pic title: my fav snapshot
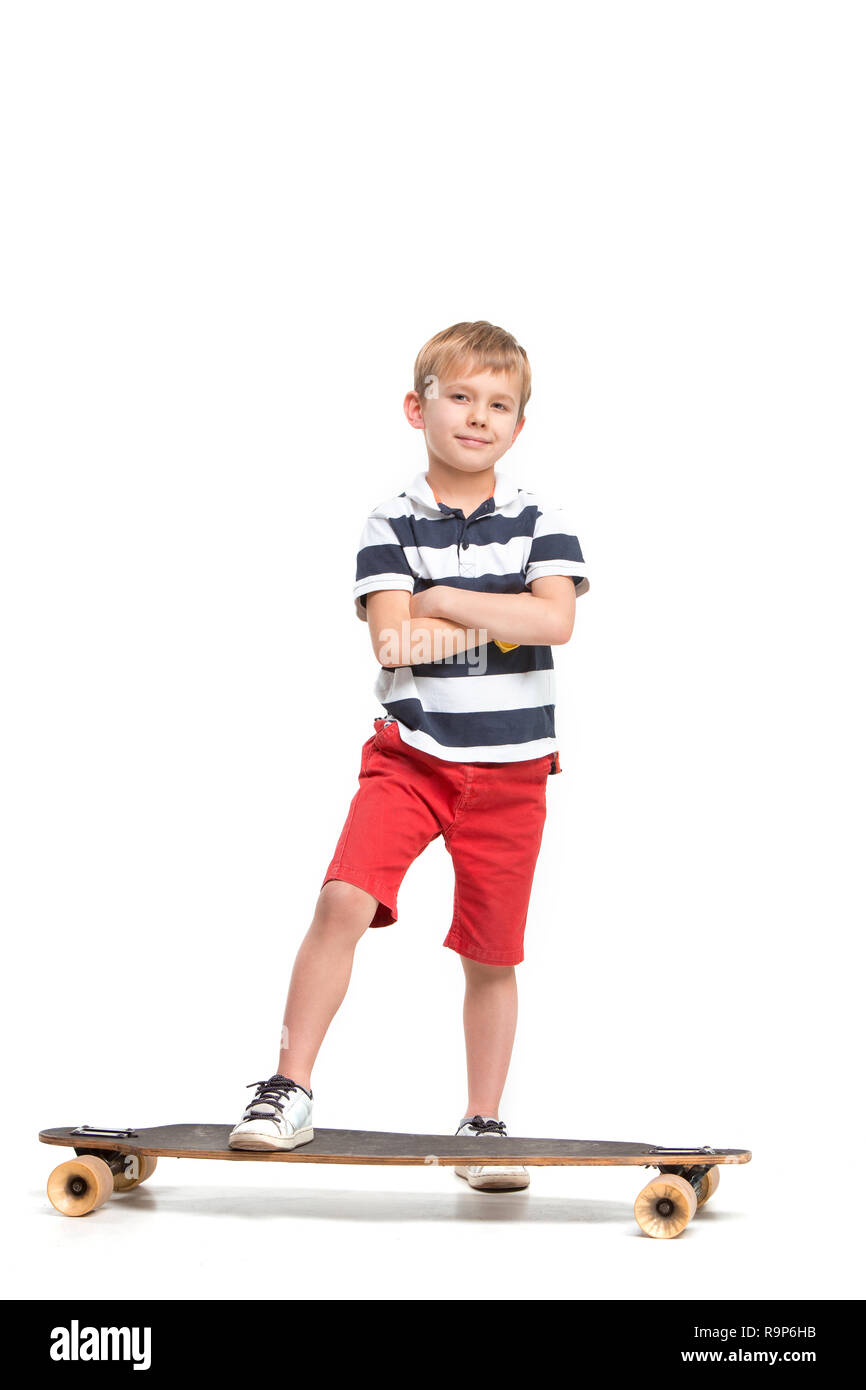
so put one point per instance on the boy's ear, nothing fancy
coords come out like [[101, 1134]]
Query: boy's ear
[[518, 428], [412, 410]]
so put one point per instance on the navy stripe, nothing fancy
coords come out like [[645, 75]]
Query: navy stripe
[[477, 730], [497, 663], [555, 547], [484, 530], [381, 559], [481, 583]]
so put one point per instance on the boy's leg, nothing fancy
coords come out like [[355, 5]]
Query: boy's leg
[[494, 844], [280, 1116], [489, 1024], [321, 974], [489, 1021]]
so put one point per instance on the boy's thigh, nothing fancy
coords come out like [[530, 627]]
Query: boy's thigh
[[398, 809], [494, 848]]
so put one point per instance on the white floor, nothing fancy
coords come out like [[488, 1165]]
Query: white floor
[[214, 1230]]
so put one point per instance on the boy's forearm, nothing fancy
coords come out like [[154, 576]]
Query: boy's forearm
[[421, 640], [522, 618]]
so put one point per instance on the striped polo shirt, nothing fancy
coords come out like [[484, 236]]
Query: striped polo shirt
[[486, 704]]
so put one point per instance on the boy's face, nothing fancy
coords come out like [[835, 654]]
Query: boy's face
[[471, 421]]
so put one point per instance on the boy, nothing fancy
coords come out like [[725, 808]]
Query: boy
[[466, 582]]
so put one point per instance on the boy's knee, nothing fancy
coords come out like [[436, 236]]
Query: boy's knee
[[345, 905], [481, 971]]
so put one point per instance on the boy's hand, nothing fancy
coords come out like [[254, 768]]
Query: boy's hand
[[425, 604]]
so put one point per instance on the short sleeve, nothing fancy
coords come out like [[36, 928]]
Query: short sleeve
[[381, 563], [556, 550]]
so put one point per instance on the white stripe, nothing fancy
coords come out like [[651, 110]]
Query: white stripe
[[384, 581], [539, 568], [494, 558], [474, 694], [377, 530]]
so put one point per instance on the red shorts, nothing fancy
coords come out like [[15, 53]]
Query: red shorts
[[490, 815]]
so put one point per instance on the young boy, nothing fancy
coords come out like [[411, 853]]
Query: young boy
[[466, 582]]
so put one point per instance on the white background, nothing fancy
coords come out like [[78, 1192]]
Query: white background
[[228, 230]]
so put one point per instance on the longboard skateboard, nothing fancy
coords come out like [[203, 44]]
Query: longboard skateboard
[[113, 1160]]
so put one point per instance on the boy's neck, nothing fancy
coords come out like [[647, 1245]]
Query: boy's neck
[[459, 490]]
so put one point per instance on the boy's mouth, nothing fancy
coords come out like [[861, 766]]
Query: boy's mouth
[[472, 441]]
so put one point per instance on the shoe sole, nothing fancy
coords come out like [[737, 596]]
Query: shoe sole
[[492, 1184], [264, 1142]]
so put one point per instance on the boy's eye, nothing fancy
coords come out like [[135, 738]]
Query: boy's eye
[[459, 396]]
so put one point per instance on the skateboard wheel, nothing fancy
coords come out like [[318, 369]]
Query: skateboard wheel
[[81, 1185], [137, 1168], [708, 1184], [665, 1206]]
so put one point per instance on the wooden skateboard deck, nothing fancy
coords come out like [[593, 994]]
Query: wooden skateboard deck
[[117, 1160]]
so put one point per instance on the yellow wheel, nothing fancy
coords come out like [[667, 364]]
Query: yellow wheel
[[709, 1183], [80, 1185], [665, 1206], [137, 1168]]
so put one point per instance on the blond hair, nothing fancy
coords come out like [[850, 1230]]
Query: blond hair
[[481, 346]]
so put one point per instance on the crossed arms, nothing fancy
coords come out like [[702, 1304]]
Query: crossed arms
[[443, 620]]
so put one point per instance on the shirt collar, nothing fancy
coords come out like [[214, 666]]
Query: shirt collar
[[504, 491]]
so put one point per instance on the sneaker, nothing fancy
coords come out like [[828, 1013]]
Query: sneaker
[[280, 1116], [490, 1178]]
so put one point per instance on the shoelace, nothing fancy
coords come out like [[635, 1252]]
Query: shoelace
[[273, 1092], [480, 1126]]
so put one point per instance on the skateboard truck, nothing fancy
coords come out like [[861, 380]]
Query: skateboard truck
[[94, 1173], [112, 1157], [702, 1178], [660, 1150]]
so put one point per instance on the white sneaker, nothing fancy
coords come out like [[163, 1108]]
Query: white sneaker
[[280, 1116], [490, 1178]]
